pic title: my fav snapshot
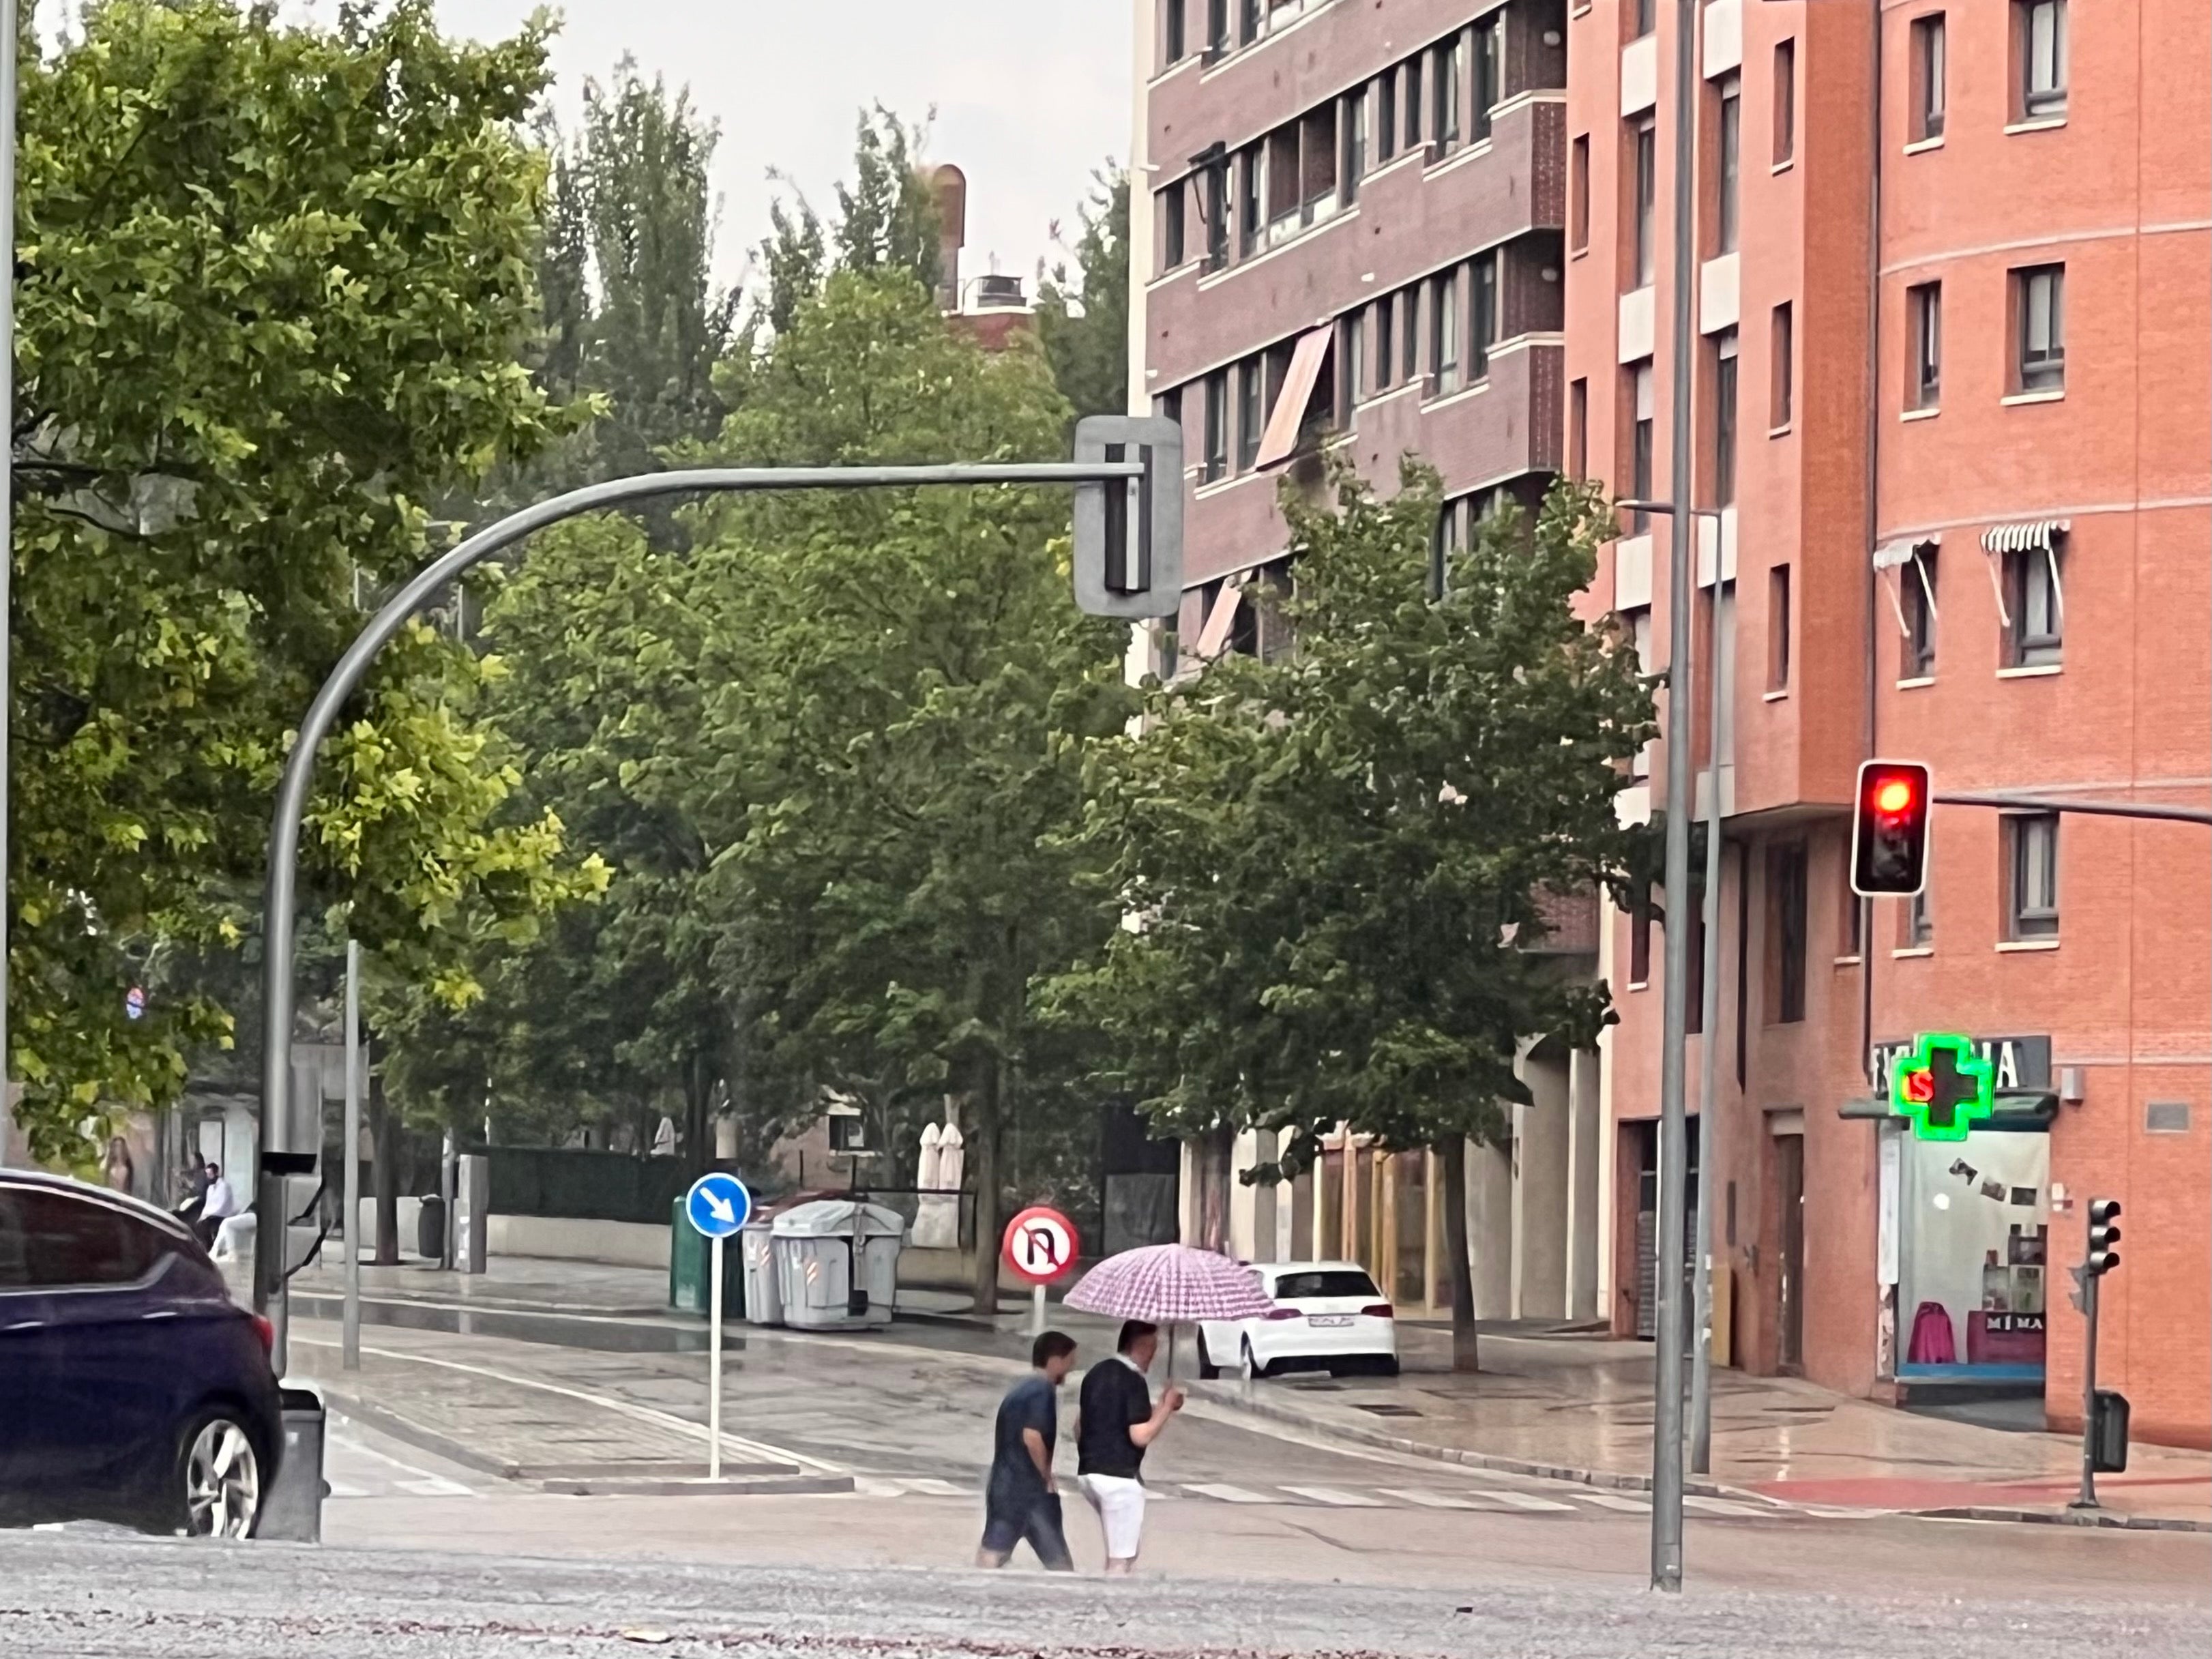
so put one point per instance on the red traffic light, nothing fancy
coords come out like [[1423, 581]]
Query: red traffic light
[[1889, 829]]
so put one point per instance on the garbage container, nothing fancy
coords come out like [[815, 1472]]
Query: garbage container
[[430, 1228], [292, 1508], [2108, 1444], [836, 1264], [757, 1247], [689, 1253]]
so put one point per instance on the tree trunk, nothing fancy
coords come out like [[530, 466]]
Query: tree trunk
[[384, 1169], [1452, 1154], [983, 1159]]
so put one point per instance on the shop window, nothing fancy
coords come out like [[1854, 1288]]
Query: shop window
[[1974, 1244]]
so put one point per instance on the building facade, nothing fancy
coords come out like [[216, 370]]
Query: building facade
[[1347, 222], [1953, 306]]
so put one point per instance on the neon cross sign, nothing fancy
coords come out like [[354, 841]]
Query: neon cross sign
[[1944, 1087]]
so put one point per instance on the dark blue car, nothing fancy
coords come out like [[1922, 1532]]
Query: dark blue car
[[133, 1389]]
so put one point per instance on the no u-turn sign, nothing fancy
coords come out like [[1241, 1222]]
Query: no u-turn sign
[[1039, 1245]]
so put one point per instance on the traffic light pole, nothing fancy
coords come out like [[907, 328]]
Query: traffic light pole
[[278, 1155], [2016, 799], [2087, 1500]]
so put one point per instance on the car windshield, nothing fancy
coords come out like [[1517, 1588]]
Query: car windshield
[[1324, 1282]]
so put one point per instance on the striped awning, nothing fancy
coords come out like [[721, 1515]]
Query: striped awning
[[1892, 555], [2036, 535]]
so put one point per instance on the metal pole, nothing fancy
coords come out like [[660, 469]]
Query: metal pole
[[1701, 1359], [1674, 1130], [714, 1362], [2108, 808], [349, 1338], [7, 511], [449, 1189], [2087, 1500], [1037, 1310], [280, 901]]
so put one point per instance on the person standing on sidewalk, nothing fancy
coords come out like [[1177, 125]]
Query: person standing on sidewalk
[[1022, 1499], [1117, 1422]]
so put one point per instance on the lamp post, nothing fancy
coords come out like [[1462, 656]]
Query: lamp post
[[7, 67]]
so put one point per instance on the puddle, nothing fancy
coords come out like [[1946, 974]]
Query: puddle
[[554, 1330]]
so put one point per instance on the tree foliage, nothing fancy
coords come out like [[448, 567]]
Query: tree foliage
[[273, 284], [1336, 862], [1083, 316]]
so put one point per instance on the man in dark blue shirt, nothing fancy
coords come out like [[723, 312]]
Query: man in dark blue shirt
[[1022, 1500]]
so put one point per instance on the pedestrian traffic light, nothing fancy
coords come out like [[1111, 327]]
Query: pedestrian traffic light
[[2104, 1213], [1889, 830], [1128, 531]]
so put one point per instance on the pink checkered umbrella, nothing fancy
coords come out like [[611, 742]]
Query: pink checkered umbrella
[[1170, 1284]]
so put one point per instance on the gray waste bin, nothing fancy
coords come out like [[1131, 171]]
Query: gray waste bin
[[292, 1506], [756, 1251], [836, 1264]]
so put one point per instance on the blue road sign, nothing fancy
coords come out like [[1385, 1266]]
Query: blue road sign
[[718, 1204]]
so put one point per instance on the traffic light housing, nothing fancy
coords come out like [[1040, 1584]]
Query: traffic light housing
[[2104, 1234], [1889, 829], [1127, 556]]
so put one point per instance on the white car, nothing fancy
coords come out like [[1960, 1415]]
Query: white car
[[1328, 1317]]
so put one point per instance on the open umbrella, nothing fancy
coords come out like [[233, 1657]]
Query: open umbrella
[[1170, 1284]]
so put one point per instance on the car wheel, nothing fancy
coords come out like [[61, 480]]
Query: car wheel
[[1388, 1366], [1207, 1370], [216, 1492], [1246, 1366]]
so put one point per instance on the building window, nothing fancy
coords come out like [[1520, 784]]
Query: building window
[[1644, 173], [1317, 165], [1640, 638], [1251, 182], [1642, 402], [1350, 367], [1927, 78], [1639, 938], [1785, 102], [2040, 43], [1251, 20], [1171, 226], [1578, 430], [1848, 916], [1251, 413], [1918, 600], [1409, 333], [1489, 69], [2036, 605], [1443, 328], [1785, 933], [1282, 185], [1729, 139], [1578, 192], [1917, 931], [1217, 425], [1386, 115], [2032, 848], [1724, 424], [1217, 27], [1171, 41], [1354, 125], [2040, 301], [1482, 314], [1450, 70], [1413, 103], [1386, 360], [1924, 334], [1781, 387], [1777, 629], [1644, 18]]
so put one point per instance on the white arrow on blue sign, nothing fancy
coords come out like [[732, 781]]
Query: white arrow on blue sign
[[718, 1204]]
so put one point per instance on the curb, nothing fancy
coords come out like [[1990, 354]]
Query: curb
[[2106, 1519], [764, 1485]]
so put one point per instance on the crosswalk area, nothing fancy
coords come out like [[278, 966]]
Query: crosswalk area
[[1553, 1497]]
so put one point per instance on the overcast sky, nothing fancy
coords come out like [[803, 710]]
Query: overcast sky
[[1030, 95]]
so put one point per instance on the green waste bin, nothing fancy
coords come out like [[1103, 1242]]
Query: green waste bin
[[689, 1253]]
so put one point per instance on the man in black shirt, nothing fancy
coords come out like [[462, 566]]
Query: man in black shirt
[[1021, 1499], [1117, 1422]]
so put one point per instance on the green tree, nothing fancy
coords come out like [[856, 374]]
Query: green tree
[[271, 284], [1082, 317], [1335, 860]]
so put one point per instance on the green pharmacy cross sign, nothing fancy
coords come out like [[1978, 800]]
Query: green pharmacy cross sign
[[1944, 1087]]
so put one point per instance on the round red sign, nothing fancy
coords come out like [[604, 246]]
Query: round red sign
[[1039, 1245]]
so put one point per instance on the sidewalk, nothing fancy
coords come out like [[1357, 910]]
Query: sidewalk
[[1562, 1406]]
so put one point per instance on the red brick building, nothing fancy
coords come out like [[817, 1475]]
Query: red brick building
[[1954, 305]]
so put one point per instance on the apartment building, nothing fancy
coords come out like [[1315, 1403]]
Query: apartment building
[[1953, 303], [1347, 226]]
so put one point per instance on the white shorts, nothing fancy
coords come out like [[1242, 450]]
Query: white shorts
[[1120, 1502]]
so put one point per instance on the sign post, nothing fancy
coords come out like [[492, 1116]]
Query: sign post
[[717, 1206], [1039, 1246]]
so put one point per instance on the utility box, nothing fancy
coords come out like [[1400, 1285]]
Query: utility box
[[292, 1512], [763, 1303], [836, 1264], [2108, 1439], [690, 1282]]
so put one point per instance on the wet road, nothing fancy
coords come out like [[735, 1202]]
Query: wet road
[[61, 1602]]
